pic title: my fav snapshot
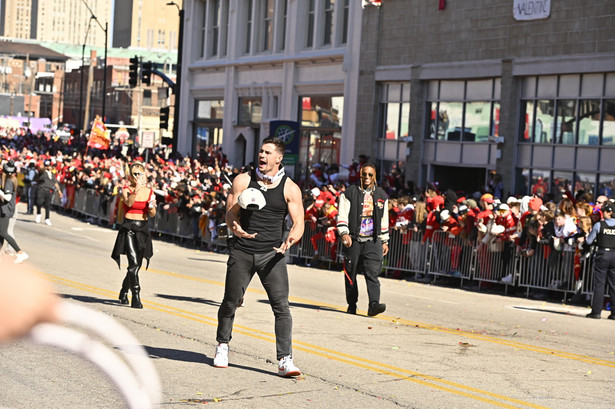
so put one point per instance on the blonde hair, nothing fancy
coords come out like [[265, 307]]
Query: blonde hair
[[420, 212]]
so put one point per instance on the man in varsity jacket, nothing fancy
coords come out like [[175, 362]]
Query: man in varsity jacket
[[363, 225]]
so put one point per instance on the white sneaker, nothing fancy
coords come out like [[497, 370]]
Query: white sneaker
[[221, 358], [287, 368], [508, 279], [48, 222], [38, 218], [21, 257]]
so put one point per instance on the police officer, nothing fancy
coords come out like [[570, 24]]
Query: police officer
[[603, 235]]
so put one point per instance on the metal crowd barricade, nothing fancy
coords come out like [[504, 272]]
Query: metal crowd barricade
[[451, 256], [327, 252], [548, 269], [407, 254]]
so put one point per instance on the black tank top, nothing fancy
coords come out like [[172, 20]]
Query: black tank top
[[268, 222]]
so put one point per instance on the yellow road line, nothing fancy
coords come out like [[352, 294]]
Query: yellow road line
[[417, 324], [400, 373]]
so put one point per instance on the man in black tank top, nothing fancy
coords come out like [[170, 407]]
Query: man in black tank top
[[259, 248]]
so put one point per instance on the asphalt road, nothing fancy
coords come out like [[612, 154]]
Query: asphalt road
[[434, 347]]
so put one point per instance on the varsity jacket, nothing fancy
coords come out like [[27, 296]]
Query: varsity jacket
[[350, 206]]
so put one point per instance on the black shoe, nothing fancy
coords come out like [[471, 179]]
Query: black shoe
[[352, 309], [136, 299], [595, 316], [612, 316], [123, 296], [376, 308]]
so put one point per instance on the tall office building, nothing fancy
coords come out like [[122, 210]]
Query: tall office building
[[151, 25], [61, 21]]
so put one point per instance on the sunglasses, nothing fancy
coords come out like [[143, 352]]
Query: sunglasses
[[600, 202], [137, 174], [367, 174]]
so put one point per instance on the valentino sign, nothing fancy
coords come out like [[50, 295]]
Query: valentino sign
[[531, 9]]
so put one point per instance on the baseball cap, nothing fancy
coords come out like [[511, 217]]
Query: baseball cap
[[445, 215], [251, 199], [9, 167], [47, 163], [606, 207], [487, 198], [535, 203]]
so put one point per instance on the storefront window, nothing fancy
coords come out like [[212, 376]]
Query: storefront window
[[566, 121], [394, 110], [451, 116], [250, 111], [589, 122], [543, 129], [322, 111], [562, 185], [606, 185], [478, 122], [540, 182], [584, 183], [210, 109], [321, 132], [527, 121], [608, 127], [467, 110], [573, 114]]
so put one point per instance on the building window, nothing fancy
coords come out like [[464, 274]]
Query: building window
[[250, 111], [568, 110], [281, 26], [463, 110], [326, 22], [209, 109], [311, 21], [214, 28], [394, 110], [344, 22], [266, 24], [328, 25]]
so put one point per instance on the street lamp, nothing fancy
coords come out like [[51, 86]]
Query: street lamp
[[82, 64], [105, 29], [178, 77]]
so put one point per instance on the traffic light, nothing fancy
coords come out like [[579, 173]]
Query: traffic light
[[146, 73], [164, 118], [134, 72]]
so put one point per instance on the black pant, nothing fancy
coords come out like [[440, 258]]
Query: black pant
[[367, 257], [43, 198], [271, 269], [604, 270], [135, 259], [4, 235]]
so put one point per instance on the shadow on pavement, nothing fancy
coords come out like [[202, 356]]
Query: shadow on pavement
[[191, 299], [306, 306]]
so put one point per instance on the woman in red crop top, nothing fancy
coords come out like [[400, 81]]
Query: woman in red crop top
[[134, 238]]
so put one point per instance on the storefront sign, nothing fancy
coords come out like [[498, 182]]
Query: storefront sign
[[288, 131], [531, 9]]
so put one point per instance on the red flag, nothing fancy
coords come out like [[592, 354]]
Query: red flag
[[442, 5], [99, 137]]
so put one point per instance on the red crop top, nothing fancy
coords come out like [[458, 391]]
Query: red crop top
[[139, 207]]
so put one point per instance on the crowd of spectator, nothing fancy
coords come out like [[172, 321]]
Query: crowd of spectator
[[197, 188]]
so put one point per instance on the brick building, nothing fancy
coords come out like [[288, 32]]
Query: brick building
[[523, 90]]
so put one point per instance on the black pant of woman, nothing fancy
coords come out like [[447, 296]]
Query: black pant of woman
[[131, 281], [4, 234]]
